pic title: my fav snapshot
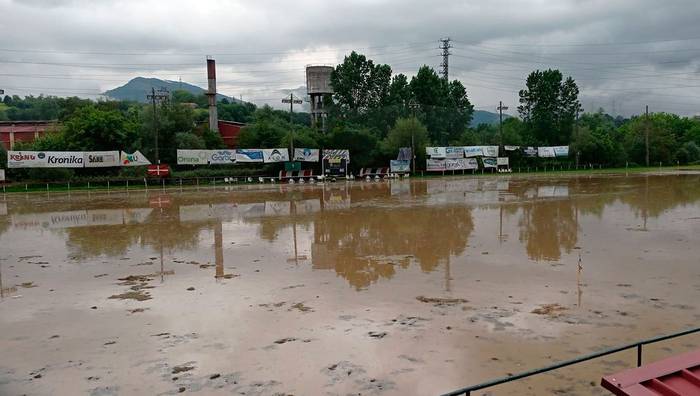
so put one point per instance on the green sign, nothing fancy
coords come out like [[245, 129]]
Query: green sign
[[292, 166]]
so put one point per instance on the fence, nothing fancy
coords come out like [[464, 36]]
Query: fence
[[467, 391]]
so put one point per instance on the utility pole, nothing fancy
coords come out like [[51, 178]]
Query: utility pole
[[292, 101], [413, 106], [646, 132], [445, 47], [578, 151], [162, 94], [500, 109]]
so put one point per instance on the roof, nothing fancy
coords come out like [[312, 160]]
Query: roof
[[677, 375]]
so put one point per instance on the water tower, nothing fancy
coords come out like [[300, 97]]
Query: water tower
[[318, 85]]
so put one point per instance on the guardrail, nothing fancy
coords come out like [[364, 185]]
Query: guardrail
[[467, 391]]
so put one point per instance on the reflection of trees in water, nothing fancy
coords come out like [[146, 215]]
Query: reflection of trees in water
[[656, 194], [546, 227], [363, 245]]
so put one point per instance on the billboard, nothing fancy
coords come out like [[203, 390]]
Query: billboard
[[473, 151], [337, 154], [502, 161], [530, 152], [222, 157], [100, 159], [454, 152], [44, 159], [400, 166], [2, 175], [545, 152], [561, 151], [306, 154], [25, 159], [490, 151], [490, 162], [511, 148], [249, 155], [434, 165], [192, 157], [436, 152], [134, 159], [457, 163], [275, 155]]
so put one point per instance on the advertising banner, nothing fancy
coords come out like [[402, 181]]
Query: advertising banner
[[405, 153], [337, 154], [249, 155], [275, 155], [490, 162], [473, 151], [100, 159], [456, 163], [306, 154], [530, 152], [400, 166], [25, 159], [63, 159], [490, 151], [545, 152], [454, 152], [434, 164], [502, 161], [222, 157], [134, 159], [2, 175], [436, 152], [192, 157], [561, 151], [511, 148]]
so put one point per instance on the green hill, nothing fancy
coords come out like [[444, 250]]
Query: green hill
[[139, 87], [485, 117]]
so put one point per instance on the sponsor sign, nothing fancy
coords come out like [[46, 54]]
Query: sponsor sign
[[100, 159], [530, 152], [133, 159], [490, 151], [400, 166], [436, 152], [490, 162], [2, 175], [337, 155], [249, 155], [455, 163], [63, 159], [545, 152], [502, 161], [434, 165], [192, 157], [511, 148], [473, 151], [306, 154], [44, 159], [454, 152], [275, 155], [561, 151], [222, 157], [405, 153], [24, 159]]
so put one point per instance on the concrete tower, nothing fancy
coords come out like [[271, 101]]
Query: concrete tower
[[318, 85]]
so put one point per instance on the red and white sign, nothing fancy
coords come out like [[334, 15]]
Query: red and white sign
[[161, 170]]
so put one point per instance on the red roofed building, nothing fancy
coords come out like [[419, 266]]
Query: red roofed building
[[229, 131], [12, 132]]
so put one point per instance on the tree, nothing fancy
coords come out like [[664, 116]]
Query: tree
[[90, 128], [360, 141], [266, 131], [663, 143], [359, 86], [407, 132], [548, 106]]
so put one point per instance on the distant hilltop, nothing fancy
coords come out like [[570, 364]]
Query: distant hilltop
[[485, 117], [137, 89]]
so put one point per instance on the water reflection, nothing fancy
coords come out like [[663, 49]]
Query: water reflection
[[365, 232]]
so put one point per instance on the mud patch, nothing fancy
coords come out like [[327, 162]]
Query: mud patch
[[551, 310], [131, 295], [441, 301], [301, 307]]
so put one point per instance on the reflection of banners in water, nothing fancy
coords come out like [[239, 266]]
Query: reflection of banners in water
[[307, 206], [473, 151], [3, 208], [454, 152], [502, 161], [275, 155], [400, 166], [136, 215], [306, 154], [545, 152], [436, 152], [249, 155], [101, 159], [252, 210], [511, 148], [490, 162], [75, 218], [553, 191], [502, 185], [192, 157], [194, 213], [399, 187], [432, 165], [530, 152], [100, 217], [277, 208], [336, 201], [135, 159], [336, 155], [405, 154], [561, 151], [490, 151], [222, 157]]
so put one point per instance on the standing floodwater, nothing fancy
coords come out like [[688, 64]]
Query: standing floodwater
[[379, 288]]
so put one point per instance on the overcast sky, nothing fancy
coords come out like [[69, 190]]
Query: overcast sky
[[623, 53]]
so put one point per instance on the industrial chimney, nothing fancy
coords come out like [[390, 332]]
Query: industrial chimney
[[211, 94]]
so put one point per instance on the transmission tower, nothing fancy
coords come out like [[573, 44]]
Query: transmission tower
[[445, 47]]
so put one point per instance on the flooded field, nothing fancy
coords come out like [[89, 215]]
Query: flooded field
[[382, 288]]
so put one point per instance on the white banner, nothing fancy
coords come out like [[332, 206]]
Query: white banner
[[222, 157], [434, 164], [545, 152], [44, 159], [455, 163], [502, 161], [249, 155], [275, 155], [2, 174], [25, 159], [436, 152], [400, 166], [490, 162], [473, 151], [454, 152], [306, 154], [134, 159], [490, 151], [511, 148], [192, 157], [63, 159], [100, 159], [561, 151]]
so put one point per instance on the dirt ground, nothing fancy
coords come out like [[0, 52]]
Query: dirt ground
[[372, 288]]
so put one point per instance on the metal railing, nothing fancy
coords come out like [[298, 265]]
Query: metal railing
[[467, 391]]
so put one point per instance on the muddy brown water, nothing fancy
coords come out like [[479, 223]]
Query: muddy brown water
[[373, 288]]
